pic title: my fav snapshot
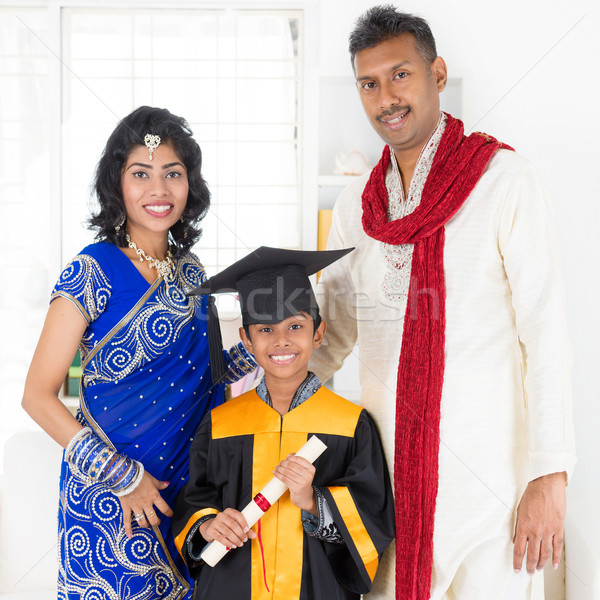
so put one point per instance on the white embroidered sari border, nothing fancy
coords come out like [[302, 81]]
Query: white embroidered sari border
[[122, 323]]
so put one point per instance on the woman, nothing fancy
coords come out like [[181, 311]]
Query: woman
[[146, 376]]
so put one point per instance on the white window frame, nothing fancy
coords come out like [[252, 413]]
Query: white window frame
[[307, 114]]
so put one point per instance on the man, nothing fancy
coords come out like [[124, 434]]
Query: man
[[453, 297]]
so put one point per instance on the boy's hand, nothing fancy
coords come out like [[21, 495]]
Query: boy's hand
[[228, 527], [297, 473]]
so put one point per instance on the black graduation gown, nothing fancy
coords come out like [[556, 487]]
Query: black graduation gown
[[232, 457]]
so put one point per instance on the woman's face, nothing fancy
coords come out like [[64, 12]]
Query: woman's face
[[154, 191]]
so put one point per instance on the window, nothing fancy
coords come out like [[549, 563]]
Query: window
[[25, 133], [234, 75], [68, 74]]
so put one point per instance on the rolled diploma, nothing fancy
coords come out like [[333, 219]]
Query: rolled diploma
[[215, 551]]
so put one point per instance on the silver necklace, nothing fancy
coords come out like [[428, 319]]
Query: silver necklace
[[165, 268]]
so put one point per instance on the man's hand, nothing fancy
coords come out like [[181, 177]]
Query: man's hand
[[540, 523], [297, 473]]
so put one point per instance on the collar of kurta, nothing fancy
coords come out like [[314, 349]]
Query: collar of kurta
[[457, 166], [307, 388]]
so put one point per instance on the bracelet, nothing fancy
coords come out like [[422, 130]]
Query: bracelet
[[78, 453], [246, 360], [118, 469], [75, 439], [234, 373], [97, 462], [90, 456], [134, 483], [241, 362], [128, 477], [100, 468], [81, 449]]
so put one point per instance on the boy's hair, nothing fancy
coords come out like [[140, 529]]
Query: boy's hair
[[384, 22]]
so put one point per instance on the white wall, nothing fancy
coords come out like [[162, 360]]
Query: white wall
[[531, 80]]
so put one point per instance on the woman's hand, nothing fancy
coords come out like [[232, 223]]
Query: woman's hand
[[141, 502], [298, 474], [228, 527]]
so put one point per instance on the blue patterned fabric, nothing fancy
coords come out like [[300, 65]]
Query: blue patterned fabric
[[146, 386]]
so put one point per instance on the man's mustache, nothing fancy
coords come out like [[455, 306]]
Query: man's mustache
[[393, 110]]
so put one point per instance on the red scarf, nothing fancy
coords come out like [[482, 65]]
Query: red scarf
[[457, 166]]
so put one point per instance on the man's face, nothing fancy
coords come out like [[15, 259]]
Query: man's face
[[400, 93]]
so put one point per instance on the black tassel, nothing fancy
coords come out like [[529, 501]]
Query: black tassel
[[215, 342]]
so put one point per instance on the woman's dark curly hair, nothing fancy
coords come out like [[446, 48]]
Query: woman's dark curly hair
[[130, 132]]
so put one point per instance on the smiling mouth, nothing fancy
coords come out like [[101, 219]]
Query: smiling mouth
[[158, 208], [395, 120], [282, 358]]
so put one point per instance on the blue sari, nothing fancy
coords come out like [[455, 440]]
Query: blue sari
[[145, 388]]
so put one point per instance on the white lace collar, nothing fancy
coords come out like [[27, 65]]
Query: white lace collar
[[398, 206], [398, 259]]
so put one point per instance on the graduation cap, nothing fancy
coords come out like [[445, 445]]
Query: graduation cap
[[272, 284]]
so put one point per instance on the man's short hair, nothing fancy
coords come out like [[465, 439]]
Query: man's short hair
[[384, 22]]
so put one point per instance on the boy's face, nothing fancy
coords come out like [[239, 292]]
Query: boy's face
[[284, 349]]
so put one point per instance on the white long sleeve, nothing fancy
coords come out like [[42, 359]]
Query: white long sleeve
[[529, 249]]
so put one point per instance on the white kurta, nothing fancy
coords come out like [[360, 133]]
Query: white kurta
[[506, 405]]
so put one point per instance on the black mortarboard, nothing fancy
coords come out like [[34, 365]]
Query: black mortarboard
[[272, 284]]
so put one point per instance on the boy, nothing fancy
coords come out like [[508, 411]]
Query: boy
[[323, 539]]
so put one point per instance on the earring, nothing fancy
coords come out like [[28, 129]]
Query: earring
[[184, 228], [122, 222]]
